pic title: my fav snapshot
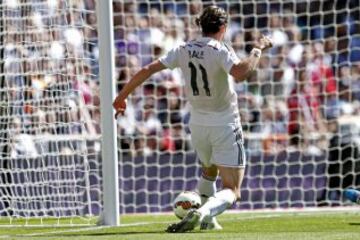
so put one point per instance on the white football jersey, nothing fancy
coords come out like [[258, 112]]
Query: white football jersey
[[205, 64]]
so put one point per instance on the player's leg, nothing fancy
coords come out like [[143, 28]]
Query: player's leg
[[222, 200], [231, 179], [207, 189], [200, 142], [229, 156], [353, 195], [207, 183]]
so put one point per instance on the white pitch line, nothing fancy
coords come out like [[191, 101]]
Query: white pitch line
[[53, 232]]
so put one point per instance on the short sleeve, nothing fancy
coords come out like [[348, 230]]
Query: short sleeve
[[228, 58], [170, 59]]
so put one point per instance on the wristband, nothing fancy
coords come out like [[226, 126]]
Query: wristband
[[256, 52]]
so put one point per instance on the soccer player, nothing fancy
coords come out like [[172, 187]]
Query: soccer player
[[353, 195], [215, 127]]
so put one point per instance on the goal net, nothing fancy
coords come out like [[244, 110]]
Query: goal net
[[299, 110], [49, 165]]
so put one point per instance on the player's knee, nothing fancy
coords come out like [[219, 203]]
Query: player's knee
[[210, 173]]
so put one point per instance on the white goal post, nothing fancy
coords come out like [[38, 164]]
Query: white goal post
[[56, 168], [111, 210]]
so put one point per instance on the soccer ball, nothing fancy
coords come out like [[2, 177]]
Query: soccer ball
[[186, 201]]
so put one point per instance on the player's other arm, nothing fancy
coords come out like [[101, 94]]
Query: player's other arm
[[120, 101], [241, 70]]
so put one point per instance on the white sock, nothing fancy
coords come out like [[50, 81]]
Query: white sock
[[206, 188], [217, 204]]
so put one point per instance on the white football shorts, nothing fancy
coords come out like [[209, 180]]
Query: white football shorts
[[219, 145]]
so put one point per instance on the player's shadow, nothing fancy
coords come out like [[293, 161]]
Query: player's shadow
[[354, 223]]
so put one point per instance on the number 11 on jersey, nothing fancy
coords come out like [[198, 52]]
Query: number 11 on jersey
[[193, 79]]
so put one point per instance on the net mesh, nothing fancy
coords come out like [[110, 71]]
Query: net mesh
[[49, 118], [297, 109]]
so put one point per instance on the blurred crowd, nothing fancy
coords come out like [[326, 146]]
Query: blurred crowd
[[49, 83], [303, 85]]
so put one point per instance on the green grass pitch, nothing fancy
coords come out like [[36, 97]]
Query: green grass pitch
[[244, 226]]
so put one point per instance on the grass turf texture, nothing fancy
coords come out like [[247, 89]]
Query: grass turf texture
[[289, 226]]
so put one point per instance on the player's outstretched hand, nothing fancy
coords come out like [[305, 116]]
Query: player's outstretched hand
[[119, 106], [264, 43]]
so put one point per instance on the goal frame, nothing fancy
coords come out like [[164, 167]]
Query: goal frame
[[110, 215]]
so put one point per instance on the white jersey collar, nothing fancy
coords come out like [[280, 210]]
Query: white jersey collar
[[210, 41]]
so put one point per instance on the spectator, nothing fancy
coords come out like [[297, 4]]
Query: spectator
[[322, 76], [339, 103], [180, 141], [355, 81], [274, 128], [291, 29], [282, 80], [147, 120], [148, 126], [305, 118], [22, 144], [238, 44]]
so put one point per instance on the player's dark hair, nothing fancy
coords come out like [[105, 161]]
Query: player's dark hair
[[211, 19]]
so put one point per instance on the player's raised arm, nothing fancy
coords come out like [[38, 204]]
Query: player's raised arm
[[119, 103], [241, 70]]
